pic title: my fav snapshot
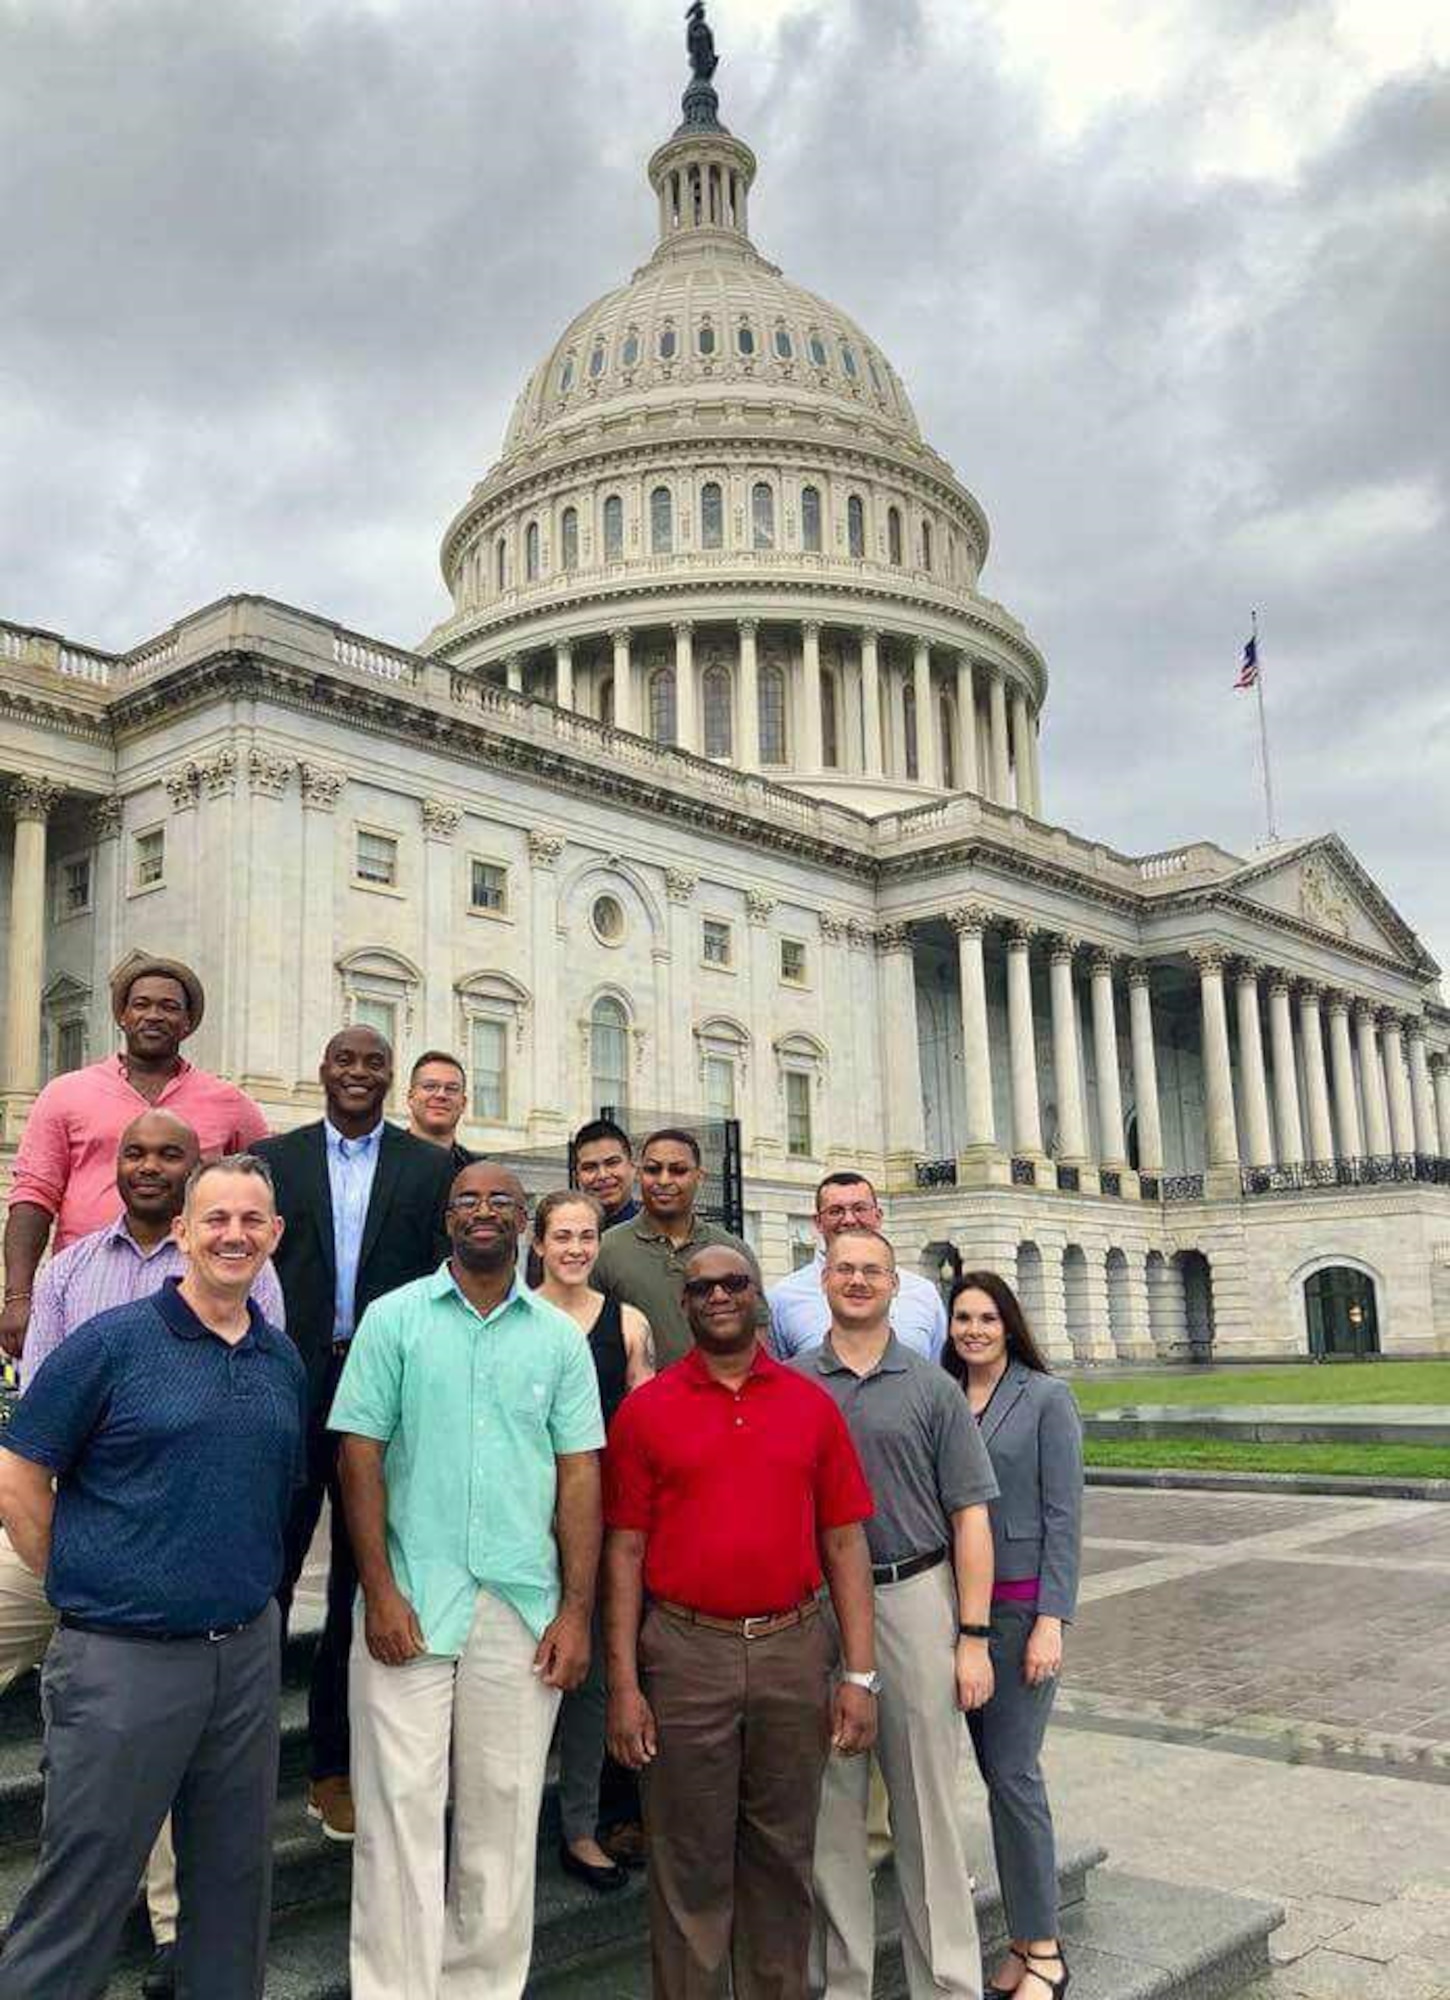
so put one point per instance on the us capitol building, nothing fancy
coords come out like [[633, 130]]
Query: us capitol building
[[719, 788]]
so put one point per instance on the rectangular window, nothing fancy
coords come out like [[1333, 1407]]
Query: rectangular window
[[719, 1087], [798, 1114], [488, 887], [73, 887], [70, 1046], [715, 942], [149, 858], [377, 859], [792, 962], [370, 1012], [490, 1071]]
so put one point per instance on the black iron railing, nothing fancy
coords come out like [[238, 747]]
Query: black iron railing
[[1111, 1182], [1069, 1179], [936, 1173], [1024, 1174], [1371, 1170]]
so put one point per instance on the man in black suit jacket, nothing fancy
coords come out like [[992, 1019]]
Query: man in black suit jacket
[[363, 1205]]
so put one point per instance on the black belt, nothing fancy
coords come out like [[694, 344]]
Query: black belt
[[910, 1566], [213, 1633]]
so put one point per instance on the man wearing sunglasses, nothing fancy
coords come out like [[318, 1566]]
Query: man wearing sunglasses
[[799, 1314], [470, 1423], [733, 1488]]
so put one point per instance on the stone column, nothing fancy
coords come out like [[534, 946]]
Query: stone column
[[1371, 1081], [1022, 1035], [1288, 1129], [1000, 781], [1422, 1098], [513, 673], [31, 802], [687, 698], [968, 923], [321, 786], [749, 695], [1066, 1062], [895, 718], [967, 779], [624, 712], [1113, 1153], [1145, 1069], [1258, 1139], [269, 921], [1022, 751], [1316, 1084], [564, 674], [811, 752], [1347, 1130], [1221, 1134], [547, 1113], [1034, 741], [871, 700], [1397, 1086], [928, 763], [1440, 1078], [441, 820], [905, 1123], [106, 817]]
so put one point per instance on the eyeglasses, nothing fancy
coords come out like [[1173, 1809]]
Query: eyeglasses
[[849, 1211], [734, 1283], [497, 1204], [439, 1089], [874, 1274]]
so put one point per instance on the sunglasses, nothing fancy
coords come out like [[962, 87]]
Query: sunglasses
[[733, 1282]]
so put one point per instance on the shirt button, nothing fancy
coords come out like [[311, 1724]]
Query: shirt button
[[740, 1423]]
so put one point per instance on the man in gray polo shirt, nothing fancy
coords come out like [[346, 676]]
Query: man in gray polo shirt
[[931, 1555]]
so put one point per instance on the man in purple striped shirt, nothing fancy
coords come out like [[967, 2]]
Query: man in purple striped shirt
[[127, 1260]]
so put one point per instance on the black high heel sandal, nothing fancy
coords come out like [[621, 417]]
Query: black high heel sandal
[[990, 1992], [1056, 1987]]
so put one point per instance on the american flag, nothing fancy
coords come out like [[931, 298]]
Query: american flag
[[1249, 670]]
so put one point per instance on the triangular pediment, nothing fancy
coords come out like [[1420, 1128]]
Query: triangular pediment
[[1318, 883]]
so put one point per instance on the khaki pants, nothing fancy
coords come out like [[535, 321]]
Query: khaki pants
[[920, 1742], [489, 1718], [27, 1620], [730, 1804]]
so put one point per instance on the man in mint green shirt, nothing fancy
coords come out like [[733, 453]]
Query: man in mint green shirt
[[471, 1428]]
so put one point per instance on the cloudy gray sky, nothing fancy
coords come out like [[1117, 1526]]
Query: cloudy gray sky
[[1169, 282]]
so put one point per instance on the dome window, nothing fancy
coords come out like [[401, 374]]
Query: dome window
[[745, 341], [926, 545], [668, 343], [712, 515], [501, 563], [784, 345], [596, 362], [531, 552], [830, 735], [569, 537], [661, 521], [770, 705], [707, 339], [816, 348], [811, 520], [762, 515], [876, 381], [629, 353], [613, 529], [716, 708], [662, 705], [566, 376], [893, 535], [856, 526], [848, 359]]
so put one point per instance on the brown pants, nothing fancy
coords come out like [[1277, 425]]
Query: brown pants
[[730, 1805]]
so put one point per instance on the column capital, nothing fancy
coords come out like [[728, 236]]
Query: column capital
[[680, 884], [1101, 961], [969, 919], [1209, 958], [870, 635], [620, 635], [759, 908], [545, 847], [1390, 1020], [440, 818], [513, 663], [1308, 992], [321, 786], [1021, 934], [1336, 1001], [33, 798], [1139, 971], [105, 816], [1365, 1011], [811, 628], [1414, 1027], [269, 774], [747, 627], [683, 628], [834, 929], [1062, 947], [183, 787], [1279, 981], [892, 938], [1439, 1064], [563, 649], [1247, 971]]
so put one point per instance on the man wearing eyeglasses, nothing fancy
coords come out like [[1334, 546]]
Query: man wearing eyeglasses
[[470, 1424], [799, 1314], [733, 1489], [437, 1099]]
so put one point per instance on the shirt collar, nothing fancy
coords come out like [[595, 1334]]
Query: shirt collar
[[183, 1322], [443, 1283], [364, 1142], [894, 1360], [119, 1233], [761, 1368], [648, 1231]]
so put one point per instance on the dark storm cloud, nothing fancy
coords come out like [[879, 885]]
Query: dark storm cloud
[[272, 276]]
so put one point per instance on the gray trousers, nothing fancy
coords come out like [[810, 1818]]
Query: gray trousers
[[134, 1730], [1007, 1737], [581, 1746]]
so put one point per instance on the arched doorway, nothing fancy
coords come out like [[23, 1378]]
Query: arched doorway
[[1120, 1305], [1077, 1301], [1197, 1279], [1341, 1312]]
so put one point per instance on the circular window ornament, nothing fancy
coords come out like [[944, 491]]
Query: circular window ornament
[[607, 919]]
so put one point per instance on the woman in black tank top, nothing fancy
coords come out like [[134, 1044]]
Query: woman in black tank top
[[567, 1229]]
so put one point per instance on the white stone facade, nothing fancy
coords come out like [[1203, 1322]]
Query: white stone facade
[[719, 789]]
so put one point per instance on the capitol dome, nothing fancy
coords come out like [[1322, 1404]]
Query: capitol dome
[[715, 523]]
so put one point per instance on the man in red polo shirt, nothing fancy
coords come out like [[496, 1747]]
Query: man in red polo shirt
[[731, 1486]]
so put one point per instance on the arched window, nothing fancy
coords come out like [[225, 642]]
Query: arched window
[[501, 564], [830, 740], [926, 544], [745, 340], [668, 343], [848, 359], [762, 515], [893, 534], [608, 1056], [706, 339], [531, 552], [856, 525], [908, 728], [784, 345], [875, 375], [596, 361], [569, 537], [947, 733], [717, 717], [613, 528], [771, 702], [816, 348], [712, 515], [662, 705], [811, 519], [566, 376], [629, 353], [661, 521]]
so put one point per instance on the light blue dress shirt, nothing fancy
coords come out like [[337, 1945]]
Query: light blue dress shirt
[[351, 1166], [799, 1315]]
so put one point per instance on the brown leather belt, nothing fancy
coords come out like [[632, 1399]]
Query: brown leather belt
[[743, 1628]]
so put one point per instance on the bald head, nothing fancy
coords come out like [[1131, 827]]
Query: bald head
[[356, 1074], [486, 1212], [721, 1299], [157, 1152]]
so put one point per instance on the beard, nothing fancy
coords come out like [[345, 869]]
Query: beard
[[485, 1257]]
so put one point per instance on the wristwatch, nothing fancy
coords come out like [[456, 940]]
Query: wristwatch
[[870, 1682]]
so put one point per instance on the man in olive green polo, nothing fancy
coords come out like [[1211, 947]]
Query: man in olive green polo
[[643, 1261], [469, 1409]]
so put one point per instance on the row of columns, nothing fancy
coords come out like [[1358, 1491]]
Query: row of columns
[[1008, 761]]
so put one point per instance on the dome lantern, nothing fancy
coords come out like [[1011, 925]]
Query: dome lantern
[[702, 174]]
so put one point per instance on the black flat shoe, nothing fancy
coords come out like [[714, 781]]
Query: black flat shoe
[[589, 1872]]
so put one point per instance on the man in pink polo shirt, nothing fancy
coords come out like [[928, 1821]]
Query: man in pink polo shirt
[[65, 1170]]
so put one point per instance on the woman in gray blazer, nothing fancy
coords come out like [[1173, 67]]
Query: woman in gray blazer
[[1030, 1427]]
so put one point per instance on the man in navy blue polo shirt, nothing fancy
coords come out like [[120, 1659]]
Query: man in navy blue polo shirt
[[173, 1431]]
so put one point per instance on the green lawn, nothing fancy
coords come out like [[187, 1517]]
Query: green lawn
[[1392, 1461], [1333, 1382]]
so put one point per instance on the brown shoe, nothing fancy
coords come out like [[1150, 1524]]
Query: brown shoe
[[625, 1844], [329, 1800]]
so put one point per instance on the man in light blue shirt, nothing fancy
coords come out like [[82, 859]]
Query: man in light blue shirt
[[352, 1164], [799, 1315], [470, 1422]]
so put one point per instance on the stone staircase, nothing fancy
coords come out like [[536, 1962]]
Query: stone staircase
[[1129, 1938]]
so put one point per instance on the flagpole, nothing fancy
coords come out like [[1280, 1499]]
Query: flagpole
[[1264, 733]]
